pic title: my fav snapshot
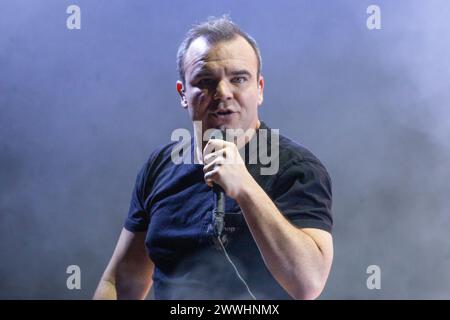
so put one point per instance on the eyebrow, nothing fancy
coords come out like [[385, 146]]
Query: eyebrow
[[241, 73], [202, 73]]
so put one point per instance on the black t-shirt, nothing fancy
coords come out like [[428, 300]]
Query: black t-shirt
[[174, 205]]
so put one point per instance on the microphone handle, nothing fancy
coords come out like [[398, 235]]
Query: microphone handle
[[219, 209]]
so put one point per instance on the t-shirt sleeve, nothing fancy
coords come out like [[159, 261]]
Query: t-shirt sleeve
[[302, 192], [137, 219]]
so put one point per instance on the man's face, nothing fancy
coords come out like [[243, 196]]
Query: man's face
[[222, 89]]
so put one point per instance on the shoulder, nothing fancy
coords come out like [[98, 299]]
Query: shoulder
[[293, 153], [161, 152], [288, 149], [296, 163], [159, 158]]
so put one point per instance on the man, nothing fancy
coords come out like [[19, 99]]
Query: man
[[277, 227]]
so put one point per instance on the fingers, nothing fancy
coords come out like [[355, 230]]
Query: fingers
[[222, 153], [213, 145], [217, 155], [211, 170], [211, 177], [215, 163]]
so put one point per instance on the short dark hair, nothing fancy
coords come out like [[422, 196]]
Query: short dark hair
[[214, 30]]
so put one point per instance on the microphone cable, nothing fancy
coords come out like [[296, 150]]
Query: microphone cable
[[235, 268], [219, 217]]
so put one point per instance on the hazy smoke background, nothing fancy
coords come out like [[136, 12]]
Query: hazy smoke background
[[80, 110]]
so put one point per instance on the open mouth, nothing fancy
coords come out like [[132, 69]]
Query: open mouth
[[223, 112]]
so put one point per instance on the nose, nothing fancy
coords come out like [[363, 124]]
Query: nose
[[223, 91]]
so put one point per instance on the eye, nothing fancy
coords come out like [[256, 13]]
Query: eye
[[205, 82], [238, 79]]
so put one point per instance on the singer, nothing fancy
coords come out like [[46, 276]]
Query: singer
[[273, 240]]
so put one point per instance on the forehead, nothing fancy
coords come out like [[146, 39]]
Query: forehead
[[236, 52]]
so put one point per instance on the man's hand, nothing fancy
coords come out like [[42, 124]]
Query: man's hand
[[225, 167]]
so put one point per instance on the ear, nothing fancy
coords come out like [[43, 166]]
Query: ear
[[182, 94], [260, 90]]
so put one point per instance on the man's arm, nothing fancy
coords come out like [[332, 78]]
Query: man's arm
[[299, 259], [129, 272]]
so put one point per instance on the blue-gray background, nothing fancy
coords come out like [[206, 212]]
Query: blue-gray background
[[80, 110]]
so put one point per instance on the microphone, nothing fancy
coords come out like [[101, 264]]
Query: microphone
[[219, 194], [219, 210]]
